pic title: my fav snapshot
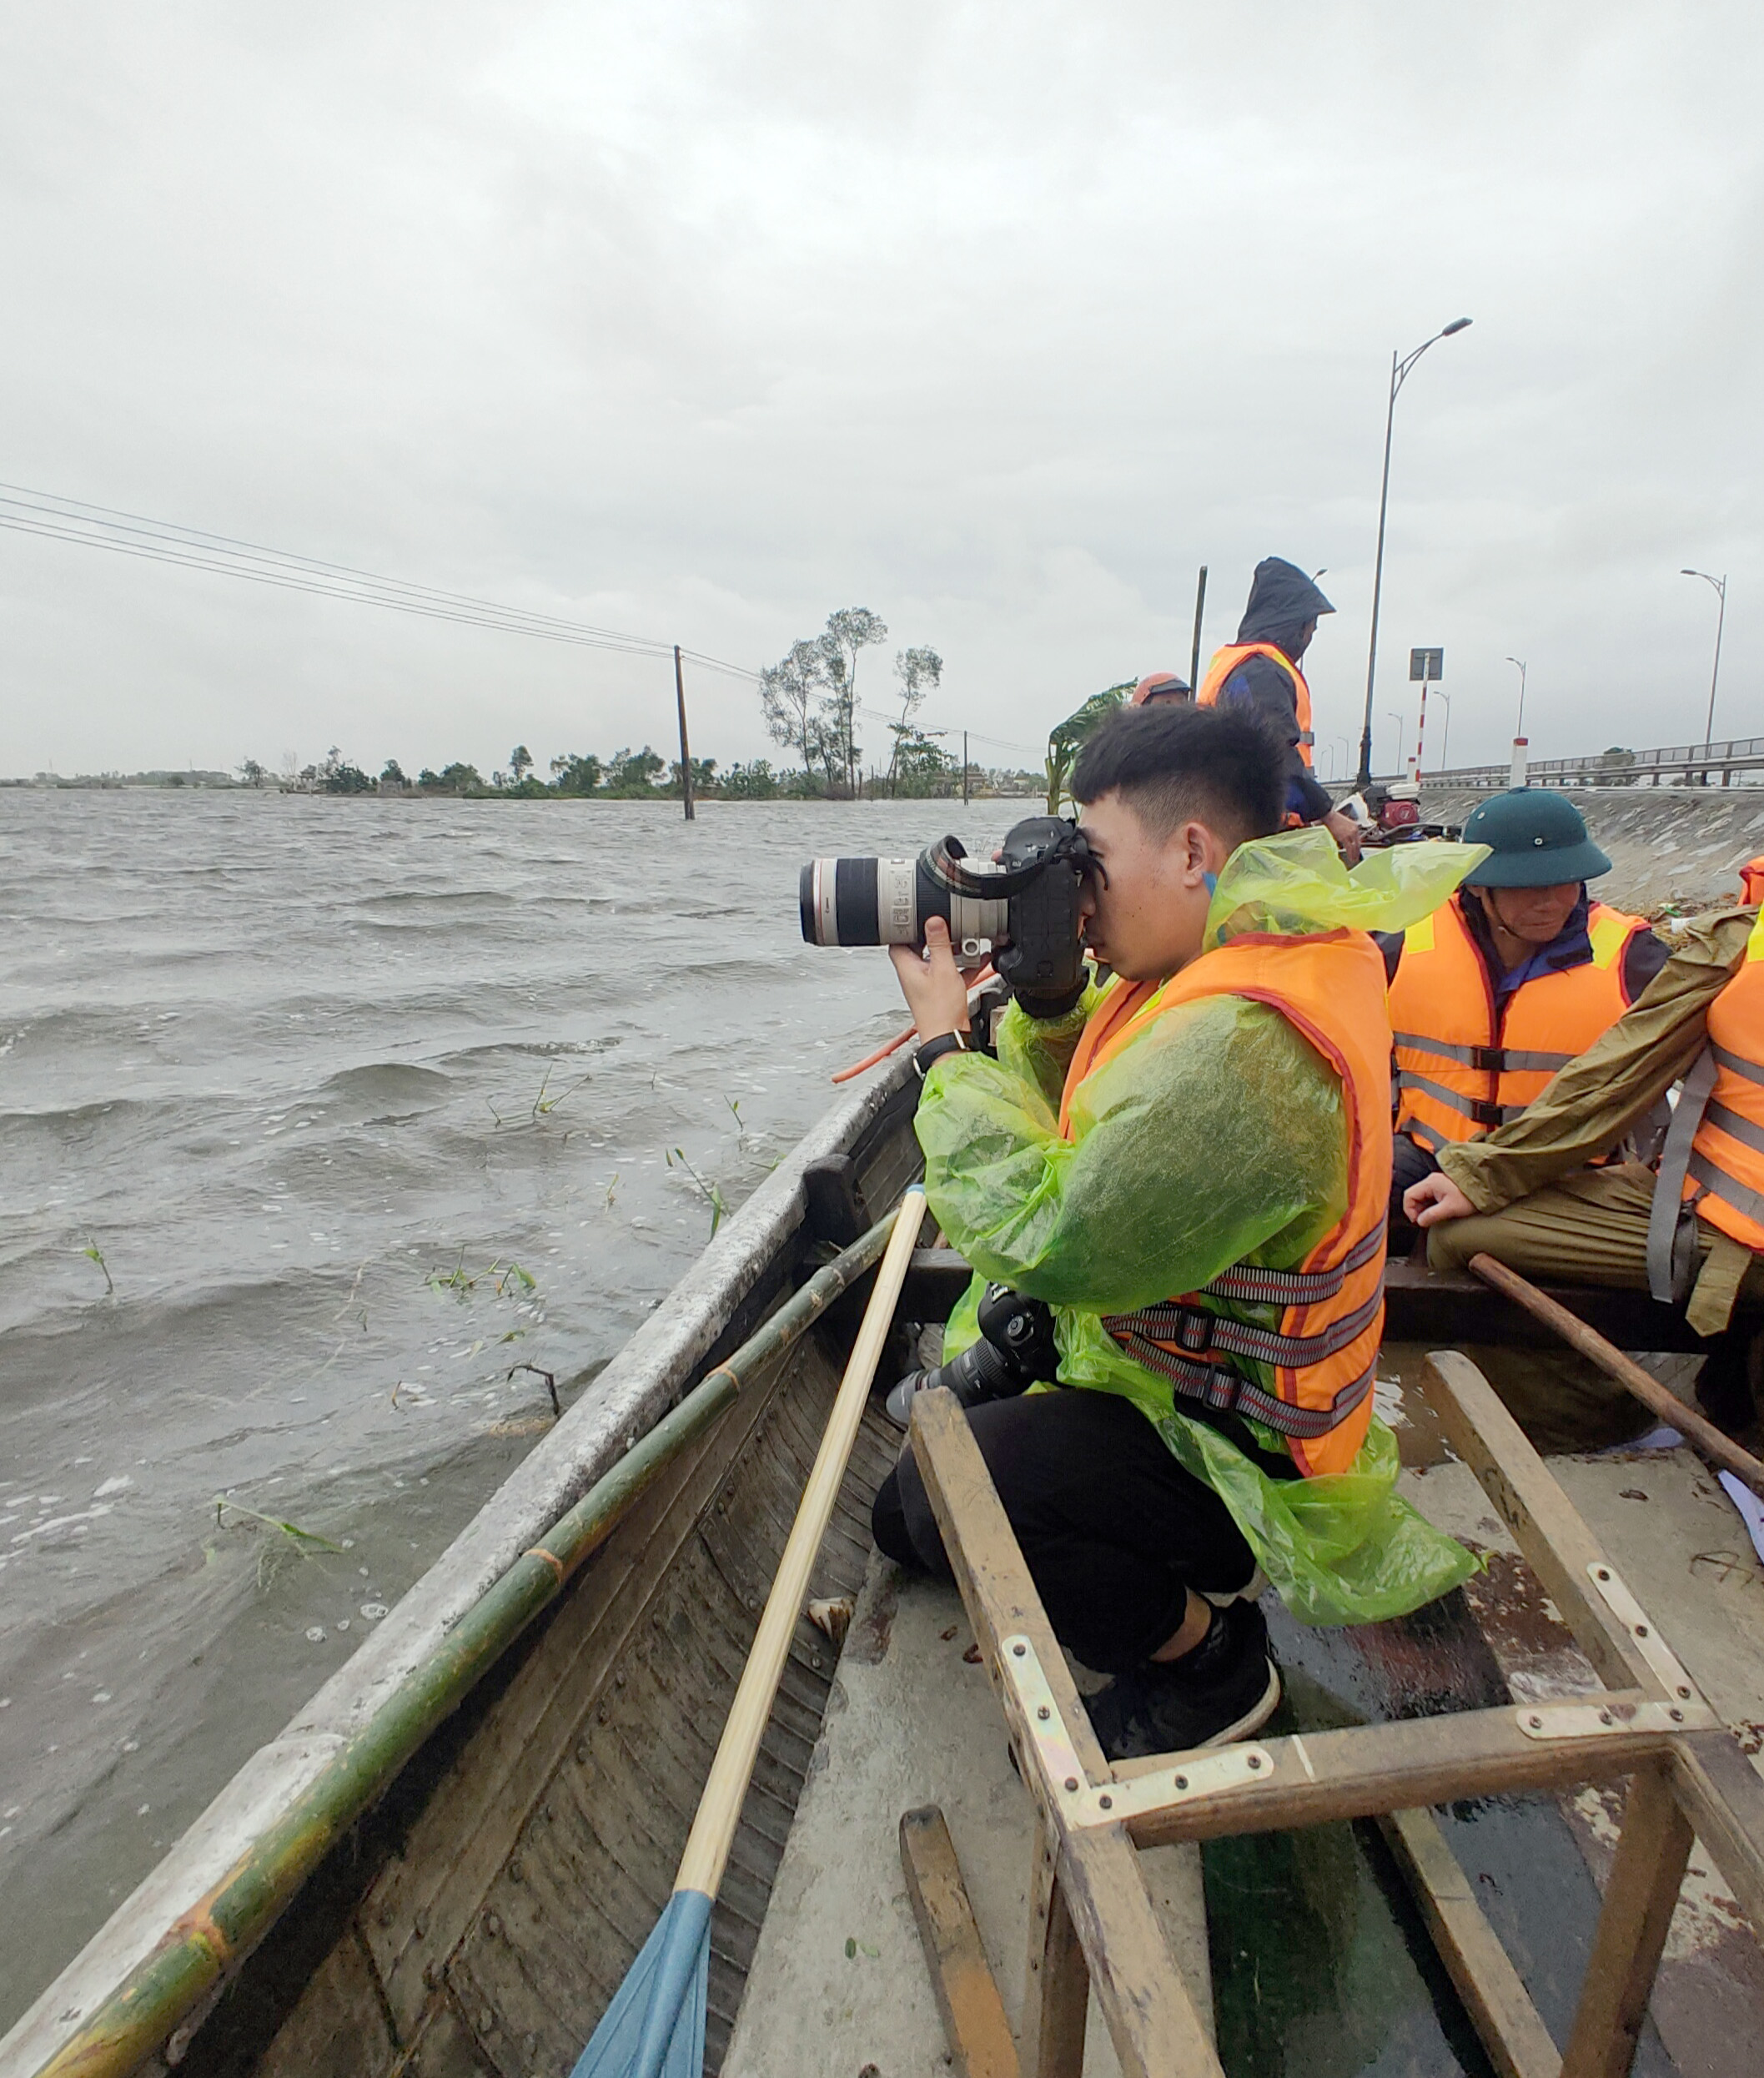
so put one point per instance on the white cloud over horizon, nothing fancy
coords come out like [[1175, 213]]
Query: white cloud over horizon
[[701, 321]]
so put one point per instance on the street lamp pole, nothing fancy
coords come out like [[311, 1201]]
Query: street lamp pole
[[1399, 370], [1446, 739], [1720, 592], [1402, 731], [1516, 776]]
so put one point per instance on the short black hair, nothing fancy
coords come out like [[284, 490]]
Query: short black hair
[[1173, 763]]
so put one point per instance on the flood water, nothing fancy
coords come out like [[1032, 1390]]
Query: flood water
[[316, 1117]]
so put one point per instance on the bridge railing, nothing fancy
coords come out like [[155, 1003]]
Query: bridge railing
[[1679, 764]]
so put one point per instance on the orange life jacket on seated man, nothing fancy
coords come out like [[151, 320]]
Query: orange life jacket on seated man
[[1227, 660], [1309, 1375], [1465, 1064], [1726, 1172]]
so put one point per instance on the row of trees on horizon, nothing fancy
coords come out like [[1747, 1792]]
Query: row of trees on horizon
[[808, 701]]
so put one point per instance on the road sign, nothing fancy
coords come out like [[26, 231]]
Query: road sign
[[1426, 663]]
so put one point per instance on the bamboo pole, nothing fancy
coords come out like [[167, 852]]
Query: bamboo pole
[[221, 1928], [1720, 1450], [720, 1807]]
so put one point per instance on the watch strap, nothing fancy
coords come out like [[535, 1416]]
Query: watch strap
[[933, 1050]]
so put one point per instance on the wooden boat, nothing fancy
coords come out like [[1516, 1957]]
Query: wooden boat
[[446, 1862]]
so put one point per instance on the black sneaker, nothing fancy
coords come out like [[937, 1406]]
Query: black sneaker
[[1226, 1688]]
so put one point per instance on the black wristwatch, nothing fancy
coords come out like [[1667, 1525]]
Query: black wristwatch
[[934, 1050]]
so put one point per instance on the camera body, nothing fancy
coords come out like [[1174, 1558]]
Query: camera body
[[1022, 908], [1016, 1351]]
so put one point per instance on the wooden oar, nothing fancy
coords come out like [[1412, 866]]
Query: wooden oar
[[655, 2024], [1719, 1449]]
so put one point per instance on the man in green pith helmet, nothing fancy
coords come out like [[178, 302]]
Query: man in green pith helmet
[[1511, 979]]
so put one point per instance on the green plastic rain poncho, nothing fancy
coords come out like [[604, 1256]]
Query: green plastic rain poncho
[[1216, 1137]]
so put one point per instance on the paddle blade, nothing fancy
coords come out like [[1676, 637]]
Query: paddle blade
[[655, 2027]]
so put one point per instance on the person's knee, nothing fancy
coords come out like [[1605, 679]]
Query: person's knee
[[901, 1522]]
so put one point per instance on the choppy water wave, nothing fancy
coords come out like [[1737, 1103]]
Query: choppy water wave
[[316, 1118]]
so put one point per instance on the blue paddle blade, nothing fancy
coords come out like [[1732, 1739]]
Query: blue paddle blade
[[655, 2027]]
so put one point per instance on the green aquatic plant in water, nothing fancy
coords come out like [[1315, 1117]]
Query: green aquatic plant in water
[[708, 1191]]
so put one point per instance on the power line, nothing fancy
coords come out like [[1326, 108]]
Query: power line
[[51, 516], [26, 510]]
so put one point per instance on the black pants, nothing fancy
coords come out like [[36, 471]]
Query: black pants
[[1113, 1530], [1410, 1161]]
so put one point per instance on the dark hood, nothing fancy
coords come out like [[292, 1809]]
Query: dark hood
[[1281, 598]]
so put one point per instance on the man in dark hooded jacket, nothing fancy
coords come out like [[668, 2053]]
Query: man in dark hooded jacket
[[1261, 670]]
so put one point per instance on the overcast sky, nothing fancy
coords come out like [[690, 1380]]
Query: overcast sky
[[699, 320]]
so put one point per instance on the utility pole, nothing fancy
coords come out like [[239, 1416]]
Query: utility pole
[[1200, 607], [686, 753], [964, 768]]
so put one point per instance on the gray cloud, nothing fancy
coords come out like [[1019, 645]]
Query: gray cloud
[[700, 320]]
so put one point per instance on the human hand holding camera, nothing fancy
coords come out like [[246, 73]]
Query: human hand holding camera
[[934, 987]]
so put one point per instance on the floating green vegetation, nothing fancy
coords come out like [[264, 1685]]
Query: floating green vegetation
[[506, 1280], [95, 1253], [289, 1536], [708, 1191]]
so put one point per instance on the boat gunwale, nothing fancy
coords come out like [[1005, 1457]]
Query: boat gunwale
[[646, 1376]]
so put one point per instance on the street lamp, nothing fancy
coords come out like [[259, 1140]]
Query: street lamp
[[1444, 741], [1519, 734], [1398, 375], [1516, 771], [1402, 730], [1720, 592]]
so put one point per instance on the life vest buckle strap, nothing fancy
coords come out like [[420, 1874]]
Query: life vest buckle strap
[[1482, 1112], [1488, 1059]]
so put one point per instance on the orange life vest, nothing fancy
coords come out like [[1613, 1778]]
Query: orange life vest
[[1726, 1174], [1310, 1376], [1752, 879], [1464, 1066], [1227, 660]]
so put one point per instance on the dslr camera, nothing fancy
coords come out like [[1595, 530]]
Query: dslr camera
[[1021, 909], [1016, 1351]]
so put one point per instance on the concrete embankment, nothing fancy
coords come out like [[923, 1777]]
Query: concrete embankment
[[1677, 845]]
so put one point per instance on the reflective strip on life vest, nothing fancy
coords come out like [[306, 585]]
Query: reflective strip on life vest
[[1735, 1066], [1229, 1392], [1253, 1283], [1716, 1181]]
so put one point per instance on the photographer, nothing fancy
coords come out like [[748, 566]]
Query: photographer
[[1190, 1168]]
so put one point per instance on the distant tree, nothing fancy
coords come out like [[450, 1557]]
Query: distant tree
[[789, 691], [923, 770], [253, 773], [392, 774], [576, 772], [920, 672], [754, 782], [457, 779], [336, 775], [704, 776], [632, 774], [428, 781], [848, 630], [521, 762]]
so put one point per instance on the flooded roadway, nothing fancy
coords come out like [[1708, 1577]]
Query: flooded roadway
[[318, 1118]]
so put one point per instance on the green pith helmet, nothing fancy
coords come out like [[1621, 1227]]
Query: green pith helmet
[[1536, 839]]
